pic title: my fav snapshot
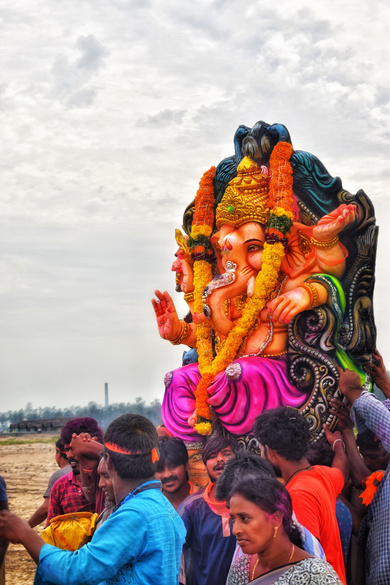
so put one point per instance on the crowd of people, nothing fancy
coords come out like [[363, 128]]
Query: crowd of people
[[294, 512]]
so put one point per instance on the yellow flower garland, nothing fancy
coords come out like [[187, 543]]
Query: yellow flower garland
[[202, 228], [265, 284]]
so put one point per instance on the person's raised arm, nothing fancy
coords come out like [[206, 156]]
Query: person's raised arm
[[87, 450], [349, 384], [379, 373], [340, 459], [367, 411], [357, 468]]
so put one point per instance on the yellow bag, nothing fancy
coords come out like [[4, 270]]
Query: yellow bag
[[70, 531]]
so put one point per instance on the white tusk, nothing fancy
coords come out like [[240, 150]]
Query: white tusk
[[250, 288]]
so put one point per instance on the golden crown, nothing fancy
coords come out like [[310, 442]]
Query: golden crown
[[245, 198]]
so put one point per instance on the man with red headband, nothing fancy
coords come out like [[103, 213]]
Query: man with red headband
[[141, 541]]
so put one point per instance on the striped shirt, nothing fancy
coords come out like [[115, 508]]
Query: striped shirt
[[369, 413], [67, 496]]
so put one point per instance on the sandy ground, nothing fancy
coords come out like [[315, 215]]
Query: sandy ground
[[26, 470]]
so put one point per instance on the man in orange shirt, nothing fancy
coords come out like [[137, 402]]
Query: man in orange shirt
[[284, 436]]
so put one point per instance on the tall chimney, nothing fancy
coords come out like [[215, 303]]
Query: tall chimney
[[106, 394]]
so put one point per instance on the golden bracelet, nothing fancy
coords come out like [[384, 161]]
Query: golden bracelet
[[184, 333], [329, 244], [189, 297], [311, 289], [314, 293]]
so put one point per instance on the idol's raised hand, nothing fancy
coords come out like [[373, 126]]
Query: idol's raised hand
[[332, 224], [168, 322]]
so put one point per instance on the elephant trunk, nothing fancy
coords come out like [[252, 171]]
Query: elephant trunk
[[224, 287]]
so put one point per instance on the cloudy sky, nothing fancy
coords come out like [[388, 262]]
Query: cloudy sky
[[110, 113]]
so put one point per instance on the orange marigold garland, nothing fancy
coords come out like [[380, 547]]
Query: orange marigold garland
[[204, 203], [202, 254], [280, 194], [371, 484], [281, 177]]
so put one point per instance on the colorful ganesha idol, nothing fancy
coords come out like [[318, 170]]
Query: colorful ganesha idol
[[263, 277]]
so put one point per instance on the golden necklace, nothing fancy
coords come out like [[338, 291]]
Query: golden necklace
[[254, 569], [257, 562], [292, 552]]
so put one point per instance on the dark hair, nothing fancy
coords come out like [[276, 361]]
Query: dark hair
[[271, 496], [243, 464], [173, 452], [366, 440], [320, 454], [284, 430], [82, 424], [60, 448], [216, 444], [137, 434]]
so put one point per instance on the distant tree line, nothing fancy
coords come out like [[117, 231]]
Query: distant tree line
[[103, 414]]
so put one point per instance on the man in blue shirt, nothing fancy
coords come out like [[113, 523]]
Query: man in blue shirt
[[140, 542]]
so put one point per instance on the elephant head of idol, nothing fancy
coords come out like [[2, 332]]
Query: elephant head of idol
[[241, 218]]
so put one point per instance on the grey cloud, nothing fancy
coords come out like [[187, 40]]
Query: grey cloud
[[132, 5], [70, 78], [93, 53], [163, 118], [306, 21], [382, 96], [67, 78], [81, 99]]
